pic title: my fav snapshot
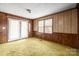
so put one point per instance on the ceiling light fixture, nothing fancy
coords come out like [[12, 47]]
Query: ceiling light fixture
[[28, 10]]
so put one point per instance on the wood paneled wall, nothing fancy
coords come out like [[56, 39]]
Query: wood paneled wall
[[31, 25], [62, 38], [3, 32], [35, 25], [65, 28], [65, 22]]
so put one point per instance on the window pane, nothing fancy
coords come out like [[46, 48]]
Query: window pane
[[24, 29], [48, 26], [41, 29], [41, 23], [48, 22], [48, 29], [41, 26]]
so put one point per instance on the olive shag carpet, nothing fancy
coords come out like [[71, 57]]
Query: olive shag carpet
[[36, 47]]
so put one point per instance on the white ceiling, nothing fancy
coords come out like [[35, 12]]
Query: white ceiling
[[38, 9]]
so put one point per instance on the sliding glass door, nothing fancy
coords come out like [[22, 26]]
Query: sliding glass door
[[24, 29], [17, 29], [14, 32]]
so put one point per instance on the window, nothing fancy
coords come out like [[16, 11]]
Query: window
[[45, 26], [48, 26], [41, 26]]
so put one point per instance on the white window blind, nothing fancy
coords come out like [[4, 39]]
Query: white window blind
[[48, 26], [41, 26]]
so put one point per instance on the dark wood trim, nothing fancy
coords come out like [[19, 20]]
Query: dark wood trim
[[78, 22], [7, 29], [31, 32], [77, 6]]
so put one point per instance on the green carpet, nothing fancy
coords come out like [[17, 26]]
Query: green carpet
[[35, 47]]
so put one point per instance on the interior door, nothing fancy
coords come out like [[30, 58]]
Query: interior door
[[24, 29], [14, 29]]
